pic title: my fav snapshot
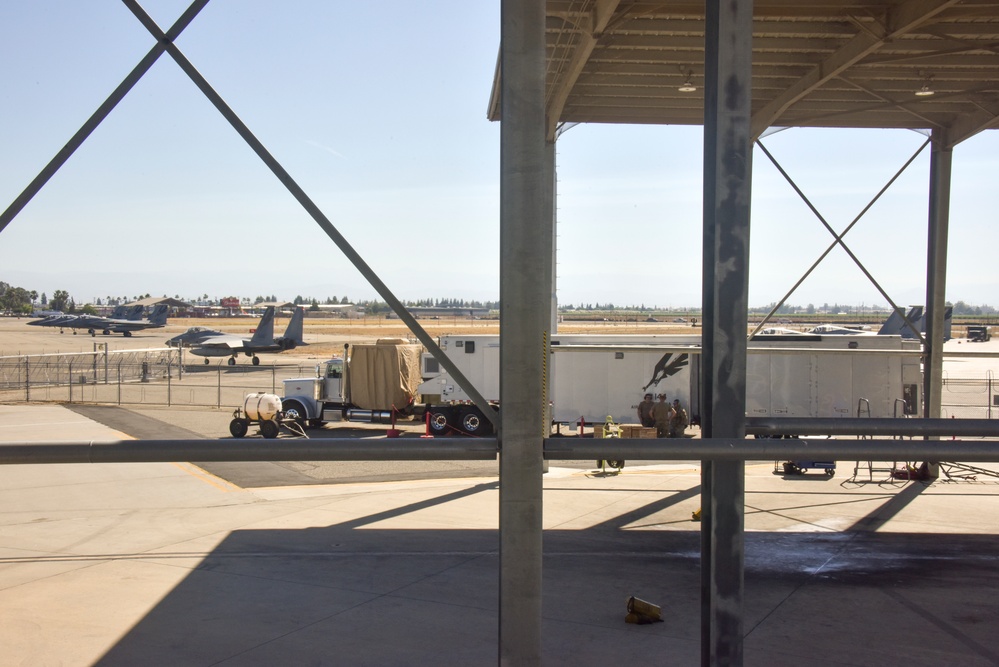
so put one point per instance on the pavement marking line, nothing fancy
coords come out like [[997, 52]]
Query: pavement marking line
[[208, 478]]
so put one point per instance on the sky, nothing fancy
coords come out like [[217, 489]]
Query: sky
[[378, 111]]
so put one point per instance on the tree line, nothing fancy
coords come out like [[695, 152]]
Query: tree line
[[21, 300]]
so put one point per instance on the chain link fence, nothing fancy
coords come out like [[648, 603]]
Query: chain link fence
[[147, 377], [970, 396]]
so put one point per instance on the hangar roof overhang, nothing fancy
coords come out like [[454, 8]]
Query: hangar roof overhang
[[824, 63]]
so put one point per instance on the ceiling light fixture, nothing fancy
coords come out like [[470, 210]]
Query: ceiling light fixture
[[925, 91], [688, 86]]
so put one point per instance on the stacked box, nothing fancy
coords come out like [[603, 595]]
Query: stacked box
[[631, 430], [646, 432]]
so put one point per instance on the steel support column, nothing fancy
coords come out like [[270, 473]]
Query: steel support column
[[727, 189], [941, 161], [525, 313]]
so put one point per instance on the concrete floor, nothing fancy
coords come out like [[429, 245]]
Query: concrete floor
[[168, 564]]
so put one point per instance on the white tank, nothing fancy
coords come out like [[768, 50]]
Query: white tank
[[261, 406]]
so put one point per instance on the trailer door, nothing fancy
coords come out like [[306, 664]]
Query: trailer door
[[834, 385], [792, 378], [758, 385]]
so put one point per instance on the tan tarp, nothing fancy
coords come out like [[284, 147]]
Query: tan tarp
[[383, 375]]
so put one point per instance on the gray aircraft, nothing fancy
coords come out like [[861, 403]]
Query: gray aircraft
[[123, 320], [204, 342]]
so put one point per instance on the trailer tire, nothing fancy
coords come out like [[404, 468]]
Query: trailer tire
[[239, 427], [439, 422], [269, 429], [474, 423]]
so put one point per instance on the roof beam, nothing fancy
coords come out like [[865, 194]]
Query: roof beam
[[600, 17], [900, 20], [968, 125]]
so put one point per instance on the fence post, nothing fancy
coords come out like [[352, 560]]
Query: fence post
[[988, 392], [273, 379], [169, 382], [70, 380], [219, 405], [119, 381], [27, 381]]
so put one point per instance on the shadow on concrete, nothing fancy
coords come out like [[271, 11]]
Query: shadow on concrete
[[358, 593]]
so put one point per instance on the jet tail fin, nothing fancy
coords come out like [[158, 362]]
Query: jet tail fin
[[159, 315], [264, 335], [293, 334], [893, 325]]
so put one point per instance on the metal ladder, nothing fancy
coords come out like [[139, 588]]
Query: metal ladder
[[864, 410]]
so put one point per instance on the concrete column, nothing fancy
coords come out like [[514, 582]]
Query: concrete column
[[727, 190], [941, 161], [525, 313]]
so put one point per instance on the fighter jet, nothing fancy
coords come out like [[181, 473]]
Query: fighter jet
[[157, 320], [209, 343], [123, 320]]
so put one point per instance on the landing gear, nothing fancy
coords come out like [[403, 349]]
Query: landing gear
[[232, 361], [256, 361], [207, 361]]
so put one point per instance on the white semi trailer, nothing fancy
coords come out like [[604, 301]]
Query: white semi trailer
[[596, 376]]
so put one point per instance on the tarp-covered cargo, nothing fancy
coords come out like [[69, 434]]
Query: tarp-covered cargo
[[384, 375]]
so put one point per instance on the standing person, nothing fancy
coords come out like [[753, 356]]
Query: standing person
[[678, 422], [661, 413], [645, 411]]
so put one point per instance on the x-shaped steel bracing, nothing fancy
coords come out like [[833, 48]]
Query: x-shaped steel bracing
[[838, 241], [165, 43]]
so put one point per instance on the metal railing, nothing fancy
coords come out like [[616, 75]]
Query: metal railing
[[880, 446]]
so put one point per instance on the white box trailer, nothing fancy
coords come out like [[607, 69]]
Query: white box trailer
[[596, 376]]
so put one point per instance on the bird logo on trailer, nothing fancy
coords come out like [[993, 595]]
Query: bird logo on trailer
[[669, 365]]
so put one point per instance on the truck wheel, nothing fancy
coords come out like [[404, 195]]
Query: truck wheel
[[268, 429], [438, 422], [294, 410], [238, 427], [473, 423]]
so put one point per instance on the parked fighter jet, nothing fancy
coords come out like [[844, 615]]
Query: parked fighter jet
[[157, 319], [896, 325], [123, 320], [206, 343]]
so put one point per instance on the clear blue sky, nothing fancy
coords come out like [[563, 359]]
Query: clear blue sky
[[379, 111]]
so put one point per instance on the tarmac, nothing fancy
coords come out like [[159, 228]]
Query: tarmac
[[169, 564]]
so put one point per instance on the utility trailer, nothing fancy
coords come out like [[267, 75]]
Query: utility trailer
[[594, 377]]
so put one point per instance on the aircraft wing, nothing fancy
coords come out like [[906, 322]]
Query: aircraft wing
[[225, 341]]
